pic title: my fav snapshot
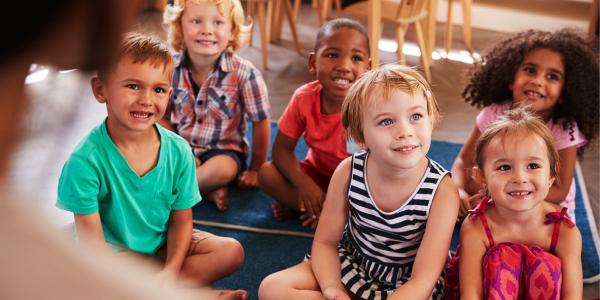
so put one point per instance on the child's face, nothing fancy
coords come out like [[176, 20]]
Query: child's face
[[539, 81], [516, 171], [397, 130], [136, 94], [205, 31], [340, 59]]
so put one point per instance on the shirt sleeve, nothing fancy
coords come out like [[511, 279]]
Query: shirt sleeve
[[78, 186], [567, 136], [187, 184], [255, 96], [291, 122], [486, 116]]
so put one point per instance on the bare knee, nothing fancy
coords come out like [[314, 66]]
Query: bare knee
[[266, 173], [232, 253], [271, 288]]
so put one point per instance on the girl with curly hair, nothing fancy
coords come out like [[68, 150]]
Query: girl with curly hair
[[554, 74]]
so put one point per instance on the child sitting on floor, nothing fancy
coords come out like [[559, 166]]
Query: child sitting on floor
[[515, 245], [341, 56], [214, 92], [387, 221], [556, 75], [131, 184]]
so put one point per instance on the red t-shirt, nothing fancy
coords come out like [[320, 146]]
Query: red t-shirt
[[324, 134]]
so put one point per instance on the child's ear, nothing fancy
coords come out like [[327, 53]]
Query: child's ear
[[312, 60], [369, 64], [98, 89], [477, 175]]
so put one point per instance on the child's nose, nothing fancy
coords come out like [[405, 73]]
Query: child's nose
[[520, 176], [403, 130]]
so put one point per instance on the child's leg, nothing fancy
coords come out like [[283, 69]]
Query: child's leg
[[279, 188], [297, 282], [214, 174], [211, 258]]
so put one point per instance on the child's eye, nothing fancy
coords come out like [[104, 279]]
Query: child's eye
[[133, 86], [533, 166], [196, 21], [529, 70], [160, 90], [218, 22], [331, 55], [553, 76], [386, 122], [503, 168], [416, 117], [357, 58]]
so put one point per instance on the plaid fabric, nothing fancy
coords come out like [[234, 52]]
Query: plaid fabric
[[215, 118]]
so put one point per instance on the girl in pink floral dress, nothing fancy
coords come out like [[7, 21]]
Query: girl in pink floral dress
[[515, 245]]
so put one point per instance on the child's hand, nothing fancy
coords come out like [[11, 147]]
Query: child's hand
[[334, 293], [468, 203], [198, 163], [248, 179], [311, 202]]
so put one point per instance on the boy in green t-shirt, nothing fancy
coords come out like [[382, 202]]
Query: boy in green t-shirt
[[131, 184]]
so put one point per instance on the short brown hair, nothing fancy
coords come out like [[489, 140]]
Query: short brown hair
[[228, 8], [386, 77], [141, 48], [514, 121]]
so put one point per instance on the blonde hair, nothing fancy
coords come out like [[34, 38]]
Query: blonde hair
[[141, 48], [514, 121], [227, 8], [386, 78]]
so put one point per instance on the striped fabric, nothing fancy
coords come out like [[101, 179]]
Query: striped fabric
[[378, 248]]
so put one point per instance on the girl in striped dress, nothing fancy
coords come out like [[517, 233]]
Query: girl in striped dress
[[387, 221]]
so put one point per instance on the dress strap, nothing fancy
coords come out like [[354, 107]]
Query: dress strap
[[478, 212], [556, 218]]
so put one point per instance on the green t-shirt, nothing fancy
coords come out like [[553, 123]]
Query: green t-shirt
[[134, 210]]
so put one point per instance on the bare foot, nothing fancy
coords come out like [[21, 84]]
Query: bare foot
[[219, 198], [281, 212], [233, 295]]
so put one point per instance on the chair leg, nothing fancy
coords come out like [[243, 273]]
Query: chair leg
[[321, 11], [466, 9], [297, 6], [448, 42], [424, 52], [263, 34], [292, 22], [338, 8], [250, 13], [400, 33]]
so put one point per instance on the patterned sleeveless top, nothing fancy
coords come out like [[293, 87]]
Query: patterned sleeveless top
[[511, 270], [378, 248]]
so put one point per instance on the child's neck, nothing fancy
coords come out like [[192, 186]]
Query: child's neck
[[330, 106], [140, 149], [201, 66], [533, 216]]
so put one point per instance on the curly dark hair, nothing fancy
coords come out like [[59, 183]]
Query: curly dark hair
[[489, 80]]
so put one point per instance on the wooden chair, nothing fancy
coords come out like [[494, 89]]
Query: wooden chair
[[466, 14], [403, 13], [266, 21], [322, 13]]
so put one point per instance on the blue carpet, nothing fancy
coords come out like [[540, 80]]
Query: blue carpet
[[267, 253]]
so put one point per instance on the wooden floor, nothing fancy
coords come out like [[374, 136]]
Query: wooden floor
[[55, 127]]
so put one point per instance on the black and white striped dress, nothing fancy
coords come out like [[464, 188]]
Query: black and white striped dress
[[378, 248]]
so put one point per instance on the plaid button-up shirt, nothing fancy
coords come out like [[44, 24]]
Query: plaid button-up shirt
[[216, 117]]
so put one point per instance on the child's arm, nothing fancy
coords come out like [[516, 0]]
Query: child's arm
[[472, 250], [310, 194], [261, 133], [325, 258], [89, 230], [179, 237], [433, 251], [568, 250], [461, 172], [560, 189]]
